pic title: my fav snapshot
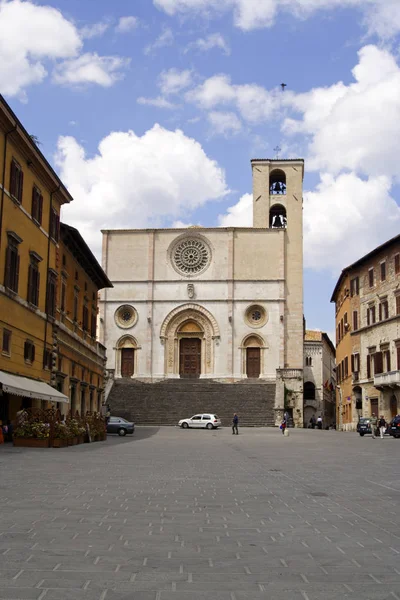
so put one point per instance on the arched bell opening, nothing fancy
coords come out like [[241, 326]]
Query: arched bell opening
[[277, 182], [277, 217]]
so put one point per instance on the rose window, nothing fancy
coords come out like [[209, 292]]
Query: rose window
[[125, 316], [191, 256], [256, 316]]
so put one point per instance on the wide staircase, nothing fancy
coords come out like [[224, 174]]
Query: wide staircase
[[168, 401]]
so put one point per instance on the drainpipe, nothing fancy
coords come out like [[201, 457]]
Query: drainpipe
[[3, 179], [47, 269]]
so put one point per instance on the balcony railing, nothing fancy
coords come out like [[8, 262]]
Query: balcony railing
[[390, 379], [290, 373]]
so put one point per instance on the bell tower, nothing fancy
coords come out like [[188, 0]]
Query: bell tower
[[278, 206]]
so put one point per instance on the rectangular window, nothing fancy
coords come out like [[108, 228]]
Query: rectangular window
[[357, 362], [51, 294], [383, 271], [354, 287], [368, 316], [85, 318], [385, 309], [12, 265], [47, 359], [54, 225], [355, 320], [387, 360], [37, 205], [76, 302], [371, 277], [6, 345], [398, 358], [352, 363], [368, 366], [29, 351], [398, 305], [397, 264], [378, 363], [63, 295], [346, 366], [93, 326], [16, 181], [33, 280], [373, 314]]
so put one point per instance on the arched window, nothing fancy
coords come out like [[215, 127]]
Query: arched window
[[309, 390], [277, 182], [277, 217]]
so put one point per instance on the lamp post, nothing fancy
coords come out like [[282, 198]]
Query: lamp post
[[340, 408]]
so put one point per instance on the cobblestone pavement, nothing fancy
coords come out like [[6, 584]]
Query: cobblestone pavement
[[170, 514]]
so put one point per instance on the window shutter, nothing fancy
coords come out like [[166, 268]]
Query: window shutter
[[16, 274], [13, 178], [33, 353], [40, 211], [368, 366], [8, 269], [30, 282], [352, 363], [397, 305], [34, 203], [21, 185], [37, 288], [388, 360], [57, 231], [380, 312]]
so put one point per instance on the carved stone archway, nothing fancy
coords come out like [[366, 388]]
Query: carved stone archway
[[173, 329], [126, 342], [253, 340]]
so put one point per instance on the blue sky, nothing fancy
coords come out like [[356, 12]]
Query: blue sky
[[151, 111]]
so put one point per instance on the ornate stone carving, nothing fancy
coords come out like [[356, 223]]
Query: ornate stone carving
[[190, 290]]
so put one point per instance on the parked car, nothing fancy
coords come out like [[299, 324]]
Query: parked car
[[364, 426], [394, 427], [206, 420], [120, 426]]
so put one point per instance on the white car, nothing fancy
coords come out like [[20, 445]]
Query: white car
[[206, 420]]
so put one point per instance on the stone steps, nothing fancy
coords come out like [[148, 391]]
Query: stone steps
[[166, 402]]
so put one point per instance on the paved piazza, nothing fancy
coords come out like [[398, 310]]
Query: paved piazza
[[170, 514]]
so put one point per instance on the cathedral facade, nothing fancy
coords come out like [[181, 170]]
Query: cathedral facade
[[221, 304]]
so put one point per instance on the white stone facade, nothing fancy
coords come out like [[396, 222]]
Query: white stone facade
[[239, 291], [319, 378]]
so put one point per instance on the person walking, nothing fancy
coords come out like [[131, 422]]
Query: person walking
[[372, 422], [382, 426], [283, 426], [312, 421], [235, 422], [319, 422]]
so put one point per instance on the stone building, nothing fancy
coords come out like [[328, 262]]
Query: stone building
[[367, 297], [40, 343], [319, 377], [210, 305]]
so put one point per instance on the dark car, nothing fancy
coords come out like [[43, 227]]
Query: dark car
[[394, 427], [120, 426], [364, 426]]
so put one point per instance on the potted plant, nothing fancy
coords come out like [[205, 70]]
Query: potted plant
[[32, 434], [61, 434]]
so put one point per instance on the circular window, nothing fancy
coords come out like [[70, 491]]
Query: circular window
[[190, 256], [125, 316], [256, 316]]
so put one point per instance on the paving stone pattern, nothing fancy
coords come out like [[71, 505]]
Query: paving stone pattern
[[169, 514]]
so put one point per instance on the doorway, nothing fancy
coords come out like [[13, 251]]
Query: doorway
[[253, 363], [393, 406], [374, 407], [127, 362], [190, 357]]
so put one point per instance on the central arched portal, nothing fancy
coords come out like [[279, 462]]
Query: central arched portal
[[190, 336], [189, 333]]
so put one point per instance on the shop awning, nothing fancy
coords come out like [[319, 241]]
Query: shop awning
[[37, 390]]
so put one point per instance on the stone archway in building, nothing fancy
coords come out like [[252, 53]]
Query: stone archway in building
[[126, 356], [393, 406], [253, 358], [189, 334]]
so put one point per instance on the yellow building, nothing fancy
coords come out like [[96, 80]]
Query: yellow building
[[344, 345], [31, 197]]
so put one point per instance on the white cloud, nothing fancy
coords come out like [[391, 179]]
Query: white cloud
[[240, 214], [94, 30], [166, 38], [254, 102], [181, 225], [380, 16], [127, 24], [346, 217], [30, 34], [90, 68], [33, 37], [354, 127], [136, 181], [214, 40], [158, 102], [224, 123], [173, 81]]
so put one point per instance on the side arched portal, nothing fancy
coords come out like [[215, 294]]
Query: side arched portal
[[126, 356], [189, 333], [253, 356]]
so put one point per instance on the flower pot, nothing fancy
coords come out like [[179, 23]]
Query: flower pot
[[75, 440], [81, 438], [60, 443], [69, 442], [31, 442]]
